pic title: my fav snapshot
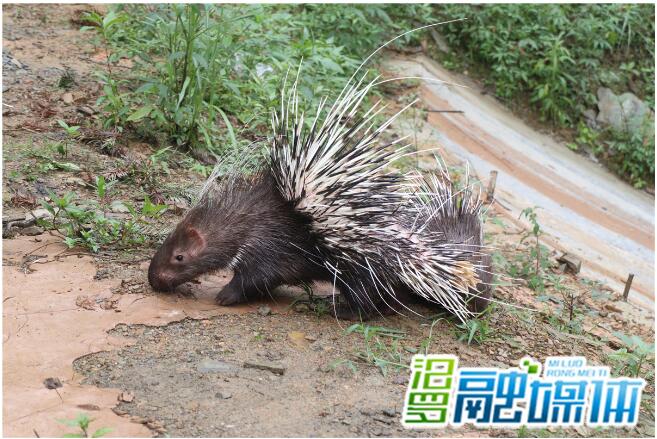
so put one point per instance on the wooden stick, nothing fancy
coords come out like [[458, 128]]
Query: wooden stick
[[628, 285], [490, 192]]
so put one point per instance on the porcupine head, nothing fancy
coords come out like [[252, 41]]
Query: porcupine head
[[206, 239], [193, 248], [231, 214]]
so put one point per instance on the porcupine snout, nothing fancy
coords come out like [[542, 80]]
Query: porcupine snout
[[160, 280]]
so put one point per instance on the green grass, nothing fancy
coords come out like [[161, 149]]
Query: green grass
[[86, 223], [382, 347]]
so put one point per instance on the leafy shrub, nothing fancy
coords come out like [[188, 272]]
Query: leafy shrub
[[632, 154], [200, 72]]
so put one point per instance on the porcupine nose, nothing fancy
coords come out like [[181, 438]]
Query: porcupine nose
[[158, 280]]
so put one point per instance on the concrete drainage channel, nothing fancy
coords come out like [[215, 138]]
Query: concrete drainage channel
[[584, 208]]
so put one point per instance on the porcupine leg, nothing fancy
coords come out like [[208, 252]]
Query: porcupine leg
[[245, 286]]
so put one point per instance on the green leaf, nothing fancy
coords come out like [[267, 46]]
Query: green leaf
[[100, 186], [140, 113], [48, 207], [101, 432], [229, 126], [68, 422], [181, 96], [73, 435], [66, 166], [70, 242]]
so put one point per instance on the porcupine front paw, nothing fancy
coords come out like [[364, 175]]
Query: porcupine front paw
[[229, 296]]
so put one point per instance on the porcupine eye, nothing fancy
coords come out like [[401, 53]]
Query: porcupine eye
[[179, 258]]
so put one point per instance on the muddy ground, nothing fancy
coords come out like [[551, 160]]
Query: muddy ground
[[145, 364]]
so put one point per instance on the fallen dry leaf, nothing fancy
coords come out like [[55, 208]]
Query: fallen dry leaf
[[298, 339]]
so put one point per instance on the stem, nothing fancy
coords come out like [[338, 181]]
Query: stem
[[538, 255], [638, 367]]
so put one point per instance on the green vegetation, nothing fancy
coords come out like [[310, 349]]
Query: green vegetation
[[554, 57], [477, 330], [533, 261], [86, 222], [631, 358], [319, 305], [82, 422], [382, 346], [201, 73], [569, 316]]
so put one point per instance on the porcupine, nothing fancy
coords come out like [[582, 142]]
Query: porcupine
[[324, 207]]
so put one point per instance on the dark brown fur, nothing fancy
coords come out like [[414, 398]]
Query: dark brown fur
[[249, 227], [273, 243]]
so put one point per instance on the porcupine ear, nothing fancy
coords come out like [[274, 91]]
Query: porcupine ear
[[197, 241]]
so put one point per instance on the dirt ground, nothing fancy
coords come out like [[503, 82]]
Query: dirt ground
[[147, 364]]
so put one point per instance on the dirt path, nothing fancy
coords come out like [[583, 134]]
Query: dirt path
[[146, 364], [587, 210]]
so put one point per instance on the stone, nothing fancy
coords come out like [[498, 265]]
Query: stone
[[87, 111], [590, 116], [573, 263], [32, 231], [264, 310], [126, 397], [441, 42], [216, 366], [271, 367], [39, 214], [67, 98], [52, 383], [613, 308], [623, 112], [401, 380], [76, 180], [298, 339]]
